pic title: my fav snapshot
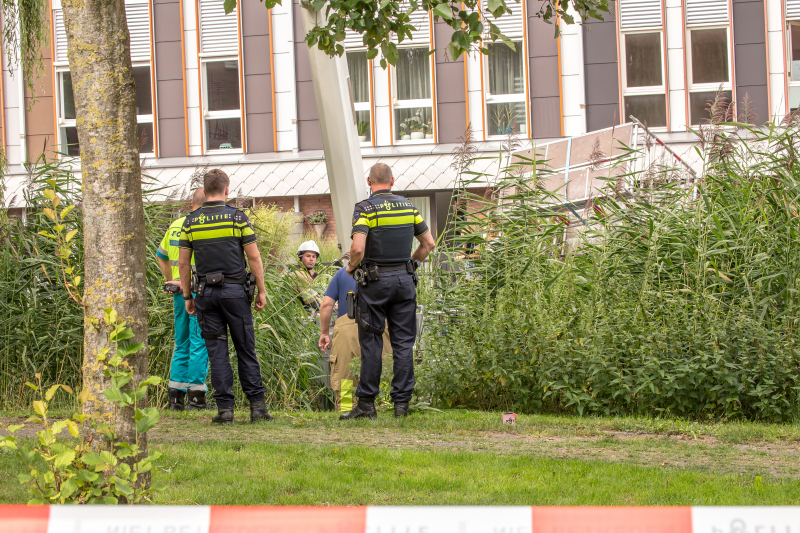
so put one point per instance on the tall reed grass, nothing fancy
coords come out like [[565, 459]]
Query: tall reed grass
[[679, 298]]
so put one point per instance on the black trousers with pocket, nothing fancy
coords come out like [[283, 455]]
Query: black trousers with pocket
[[392, 298], [224, 308]]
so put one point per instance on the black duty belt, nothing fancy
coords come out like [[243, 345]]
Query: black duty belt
[[391, 267], [227, 280]]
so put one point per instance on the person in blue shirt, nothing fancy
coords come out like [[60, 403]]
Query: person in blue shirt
[[344, 345]]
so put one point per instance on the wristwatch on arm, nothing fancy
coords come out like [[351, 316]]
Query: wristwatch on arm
[[190, 297]]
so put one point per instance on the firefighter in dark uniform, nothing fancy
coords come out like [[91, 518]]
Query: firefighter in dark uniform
[[220, 236], [384, 228]]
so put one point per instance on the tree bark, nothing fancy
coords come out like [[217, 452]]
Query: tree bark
[[98, 47]]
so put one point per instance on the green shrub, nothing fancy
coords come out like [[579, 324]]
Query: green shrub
[[677, 299]]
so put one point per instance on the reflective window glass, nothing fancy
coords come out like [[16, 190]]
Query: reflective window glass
[[506, 118], [710, 56], [144, 96], [413, 123], [505, 69], [651, 109], [795, 33], [413, 74], [224, 134], [643, 59], [358, 67], [222, 85], [68, 98], [699, 103]]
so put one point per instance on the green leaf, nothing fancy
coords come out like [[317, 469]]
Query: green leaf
[[110, 500], [229, 6], [87, 476], [73, 428], [126, 348], [92, 459], [40, 407], [51, 391], [114, 395], [13, 428], [24, 478], [152, 380], [444, 11], [120, 334], [64, 459], [70, 234], [68, 487], [149, 419], [31, 385]]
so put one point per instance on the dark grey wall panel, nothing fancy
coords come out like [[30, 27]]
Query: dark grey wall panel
[[309, 133], [601, 73], [452, 114], [750, 55], [256, 53], [543, 74], [170, 100]]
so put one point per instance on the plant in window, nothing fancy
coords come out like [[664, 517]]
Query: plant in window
[[428, 129], [404, 131], [363, 128], [505, 118]]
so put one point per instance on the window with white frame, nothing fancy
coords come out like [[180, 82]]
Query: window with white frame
[[360, 70], [358, 66], [793, 53], [642, 51], [219, 63], [504, 90], [412, 84], [708, 61], [138, 16]]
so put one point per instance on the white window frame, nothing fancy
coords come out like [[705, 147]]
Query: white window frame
[[489, 98], [649, 90], [707, 87], [59, 67], [63, 123], [412, 104], [791, 83], [214, 115], [364, 106]]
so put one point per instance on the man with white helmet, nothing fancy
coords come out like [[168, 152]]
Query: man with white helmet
[[304, 277]]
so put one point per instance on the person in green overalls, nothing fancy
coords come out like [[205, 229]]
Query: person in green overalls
[[189, 368]]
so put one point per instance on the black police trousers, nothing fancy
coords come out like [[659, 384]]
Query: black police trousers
[[394, 298], [221, 307]]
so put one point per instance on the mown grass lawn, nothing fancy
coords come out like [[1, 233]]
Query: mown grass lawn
[[461, 458]]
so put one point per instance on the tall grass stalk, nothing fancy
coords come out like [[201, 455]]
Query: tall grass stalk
[[678, 298]]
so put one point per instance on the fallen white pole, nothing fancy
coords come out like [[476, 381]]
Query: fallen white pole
[[337, 119]]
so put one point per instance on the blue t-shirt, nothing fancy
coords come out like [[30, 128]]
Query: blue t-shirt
[[341, 283]]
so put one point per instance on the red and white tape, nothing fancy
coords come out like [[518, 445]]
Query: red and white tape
[[213, 519]]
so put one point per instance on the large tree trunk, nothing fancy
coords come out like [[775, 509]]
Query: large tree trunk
[[114, 274]]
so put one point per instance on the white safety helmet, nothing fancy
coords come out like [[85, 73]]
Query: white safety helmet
[[308, 246]]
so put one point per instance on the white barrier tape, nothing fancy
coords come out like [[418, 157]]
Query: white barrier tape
[[448, 519], [129, 519], [214, 519], [745, 519]]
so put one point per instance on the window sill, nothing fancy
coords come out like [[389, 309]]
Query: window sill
[[401, 142], [225, 151]]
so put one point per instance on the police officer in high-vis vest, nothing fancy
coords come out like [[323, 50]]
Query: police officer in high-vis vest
[[384, 228], [189, 367], [220, 236]]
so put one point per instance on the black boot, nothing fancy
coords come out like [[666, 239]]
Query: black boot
[[400, 409], [224, 417], [258, 411], [176, 398], [364, 409], [197, 400]]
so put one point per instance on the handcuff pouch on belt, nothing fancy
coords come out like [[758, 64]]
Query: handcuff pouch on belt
[[411, 267]]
